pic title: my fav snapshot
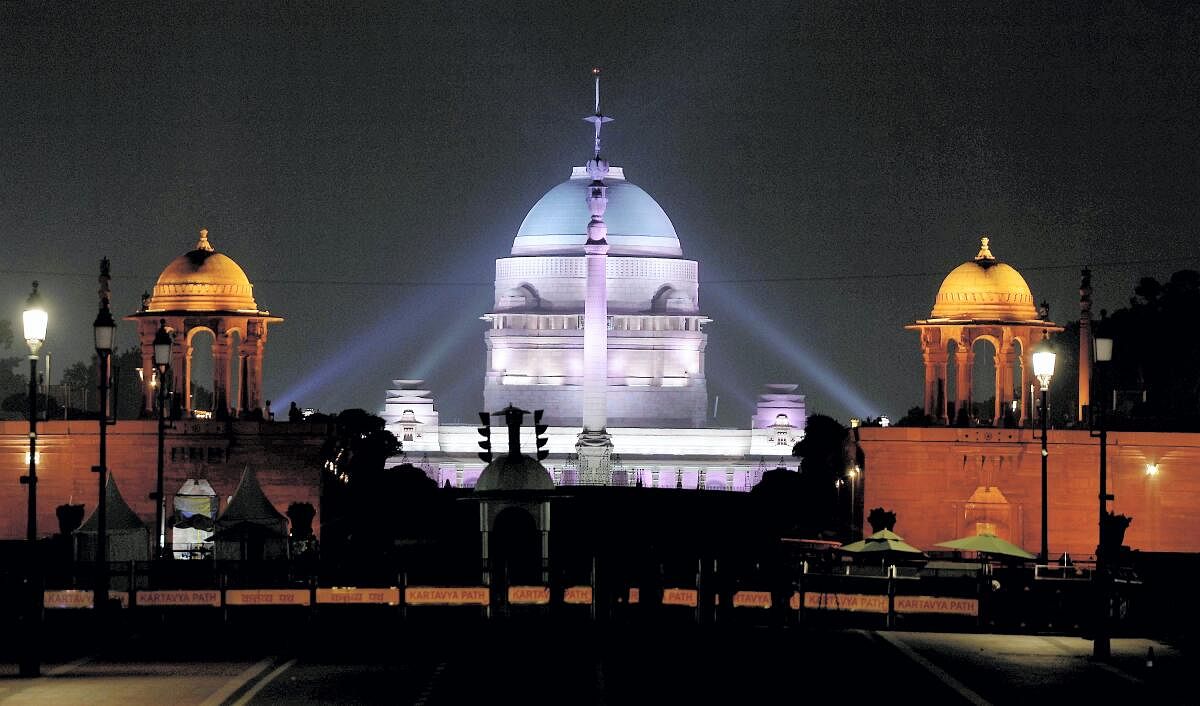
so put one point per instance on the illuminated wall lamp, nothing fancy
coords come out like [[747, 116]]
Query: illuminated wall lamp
[[1151, 469]]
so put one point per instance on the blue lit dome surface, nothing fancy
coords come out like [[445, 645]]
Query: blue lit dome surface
[[557, 223]]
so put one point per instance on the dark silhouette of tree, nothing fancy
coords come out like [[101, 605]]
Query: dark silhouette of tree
[[915, 417], [84, 381], [881, 519], [303, 543], [1113, 532], [70, 517], [358, 496], [1145, 360], [779, 504], [358, 445], [826, 453], [10, 382], [18, 403]]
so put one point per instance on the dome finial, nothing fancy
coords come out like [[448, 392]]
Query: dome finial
[[984, 252], [204, 244], [598, 118]]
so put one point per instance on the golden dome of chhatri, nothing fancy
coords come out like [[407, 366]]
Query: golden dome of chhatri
[[203, 280], [984, 289]]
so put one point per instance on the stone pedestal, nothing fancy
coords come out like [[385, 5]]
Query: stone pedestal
[[595, 457]]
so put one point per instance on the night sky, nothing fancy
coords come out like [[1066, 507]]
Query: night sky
[[826, 163]]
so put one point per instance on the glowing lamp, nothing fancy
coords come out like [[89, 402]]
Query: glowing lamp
[[1104, 348], [35, 319], [854, 422], [162, 348], [104, 329], [1151, 469], [1043, 363], [885, 421]]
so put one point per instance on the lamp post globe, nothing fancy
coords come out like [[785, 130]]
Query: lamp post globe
[[1043, 362], [36, 320], [1043, 369]]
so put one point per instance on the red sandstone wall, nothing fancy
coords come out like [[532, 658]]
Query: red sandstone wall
[[927, 476], [284, 456]]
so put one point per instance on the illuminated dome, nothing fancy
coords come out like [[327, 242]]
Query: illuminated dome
[[557, 223], [986, 289], [203, 280]]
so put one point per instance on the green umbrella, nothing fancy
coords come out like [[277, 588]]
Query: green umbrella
[[882, 541], [987, 544]]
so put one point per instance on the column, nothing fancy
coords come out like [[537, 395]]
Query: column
[[965, 367], [252, 351], [187, 381], [148, 401], [594, 445], [942, 389], [930, 387], [1025, 378], [1006, 380], [220, 354]]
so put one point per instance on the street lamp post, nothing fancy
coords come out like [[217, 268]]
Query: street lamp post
[[103, 329], [1043, 370], [853, 473], [35, 320], [1101, 645], [162, 364]]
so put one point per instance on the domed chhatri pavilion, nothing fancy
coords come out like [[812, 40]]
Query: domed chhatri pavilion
[[204, 290], [981, 300], [596, 320]]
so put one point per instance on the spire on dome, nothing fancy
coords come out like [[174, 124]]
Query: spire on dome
[[598, 119], [984, 253], [597, 167], [204, 244]]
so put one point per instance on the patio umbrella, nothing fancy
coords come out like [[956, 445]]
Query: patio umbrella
[[883, 542], [987, 544]]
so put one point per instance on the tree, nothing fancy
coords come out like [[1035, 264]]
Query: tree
[[84, 379], [358, 446], [881, 519], [1156, 341], [303, 543], [18, 403], [70, 517], [1113, 533], [825, 456], [354, 492], [10, 382], [916, 417]]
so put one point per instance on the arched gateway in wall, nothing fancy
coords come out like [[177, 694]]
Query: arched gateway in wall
[[981, 299], [206, 291]]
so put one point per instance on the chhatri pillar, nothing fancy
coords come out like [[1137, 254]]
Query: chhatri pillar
[[594, 444], [982, 298], [206, 291]]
